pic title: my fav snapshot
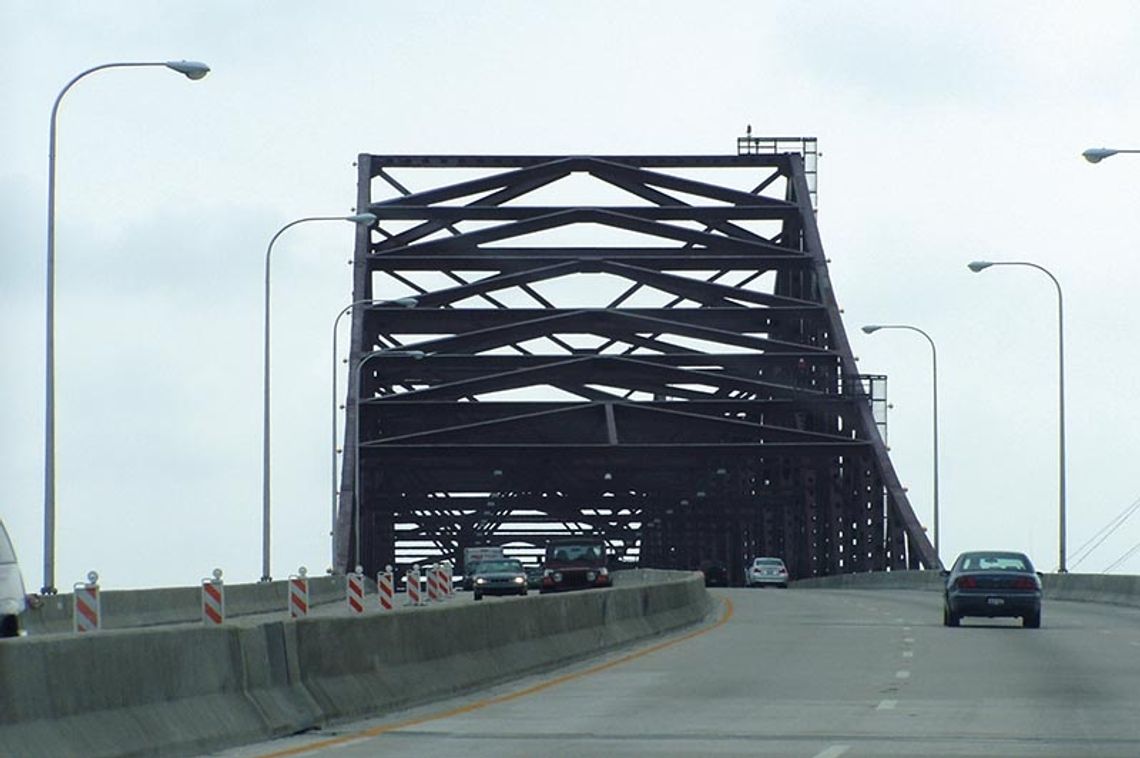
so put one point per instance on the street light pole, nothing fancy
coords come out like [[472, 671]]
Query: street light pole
[[193, 70], [364, 219], [871, 329], [977, 266], [406, 302], [417, 354]]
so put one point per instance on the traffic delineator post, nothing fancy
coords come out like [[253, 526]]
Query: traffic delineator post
[[355, 591], [87, 612], [413, 586], [299, 594], [214, 599], [433, 583], [385, 582]]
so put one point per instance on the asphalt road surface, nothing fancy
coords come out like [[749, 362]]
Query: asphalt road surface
[[813, 673]]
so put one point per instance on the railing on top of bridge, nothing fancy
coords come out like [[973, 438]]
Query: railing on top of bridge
[[806, 146]]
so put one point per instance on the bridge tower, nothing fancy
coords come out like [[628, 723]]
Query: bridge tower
[[643, 347]]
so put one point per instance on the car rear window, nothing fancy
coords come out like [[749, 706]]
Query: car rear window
[[995, 563], [769, 562]]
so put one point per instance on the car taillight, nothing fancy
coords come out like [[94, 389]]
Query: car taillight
[[783, 570], [1024, 583], [966, 583]]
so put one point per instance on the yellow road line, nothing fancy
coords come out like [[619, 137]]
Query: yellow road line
[[378, 730]]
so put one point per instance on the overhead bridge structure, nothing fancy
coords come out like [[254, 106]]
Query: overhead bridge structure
[[645, 348]]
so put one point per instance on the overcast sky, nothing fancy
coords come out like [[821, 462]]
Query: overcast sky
[[949, 132]]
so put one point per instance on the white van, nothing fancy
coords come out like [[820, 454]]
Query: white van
[[13, 599]]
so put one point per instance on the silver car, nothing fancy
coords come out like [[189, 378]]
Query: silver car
[[765, 571], [499, 577], [13, 600]]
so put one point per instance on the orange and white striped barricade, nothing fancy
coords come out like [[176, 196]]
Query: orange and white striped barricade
[[385, 588], [413, 588], [433, 583], [299, 594], [214, 599], [355, 591], [87, 614], [449, 580]]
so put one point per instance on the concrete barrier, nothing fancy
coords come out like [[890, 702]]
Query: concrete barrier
[[128, 609], [190, 689], [875, 580], [1112, 589]]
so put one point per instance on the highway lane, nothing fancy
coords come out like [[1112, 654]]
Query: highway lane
[[814, 673]]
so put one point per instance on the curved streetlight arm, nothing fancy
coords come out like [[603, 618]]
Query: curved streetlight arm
[[360, 218], [1061, 476], [934, 408], [1098, 154], [405, 302], [191, 69], [417, 354]]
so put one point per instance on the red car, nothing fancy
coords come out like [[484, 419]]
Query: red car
[[575, 563]]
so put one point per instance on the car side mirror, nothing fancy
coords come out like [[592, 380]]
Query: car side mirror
[[1040, 575], [944, 573]]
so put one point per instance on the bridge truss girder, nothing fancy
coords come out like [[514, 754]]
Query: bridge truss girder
[[679, 382]]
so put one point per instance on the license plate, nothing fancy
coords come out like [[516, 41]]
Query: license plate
[[995, 601]]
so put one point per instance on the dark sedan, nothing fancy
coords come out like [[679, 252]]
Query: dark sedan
[[992, 584]]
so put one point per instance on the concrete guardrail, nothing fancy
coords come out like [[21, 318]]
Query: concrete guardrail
[[186, 690], [1112, 589], [128, 609]]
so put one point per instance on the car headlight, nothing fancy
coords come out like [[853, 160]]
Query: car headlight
[[604, 571], [557, 576], [519, 580], [591, 576], [480, 580]]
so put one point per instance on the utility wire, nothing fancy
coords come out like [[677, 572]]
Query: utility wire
[[1105, 532], [1123, 558]]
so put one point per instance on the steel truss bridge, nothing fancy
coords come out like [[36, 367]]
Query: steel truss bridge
[[647, 348]]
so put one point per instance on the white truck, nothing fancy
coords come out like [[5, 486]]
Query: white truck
[[485, 553], [471, 556]]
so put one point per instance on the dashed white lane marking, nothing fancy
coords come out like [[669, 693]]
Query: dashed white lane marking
[[1134, 643], [904, 674], [887, 705], [908, 640], [833, 752], [908, 654], [906, 628]]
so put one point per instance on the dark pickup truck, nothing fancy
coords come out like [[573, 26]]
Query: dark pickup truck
[[575, 563]]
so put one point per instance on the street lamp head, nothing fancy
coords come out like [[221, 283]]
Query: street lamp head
[[871, 328], [364, 219], [191, 69], [1098, 154], [977, 266]]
